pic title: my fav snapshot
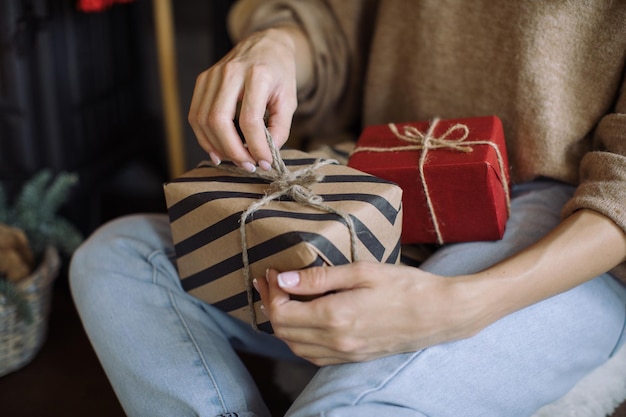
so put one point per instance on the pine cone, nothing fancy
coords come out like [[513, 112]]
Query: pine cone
[[16, 257]]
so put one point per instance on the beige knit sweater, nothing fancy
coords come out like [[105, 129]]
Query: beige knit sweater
[[553, 71]]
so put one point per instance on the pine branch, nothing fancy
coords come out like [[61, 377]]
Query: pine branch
[[27, 208], [62, 234], [35, 212], [57, 193]]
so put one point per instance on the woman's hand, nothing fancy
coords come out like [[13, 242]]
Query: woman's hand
[[260, 75], [369, 310]]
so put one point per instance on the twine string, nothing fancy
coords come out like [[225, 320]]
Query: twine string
[[285, 183], [427, 141]]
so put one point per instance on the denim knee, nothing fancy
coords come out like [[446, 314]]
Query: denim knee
[[114, 247]]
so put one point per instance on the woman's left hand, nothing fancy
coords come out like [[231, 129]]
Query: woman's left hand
[[367, 310]]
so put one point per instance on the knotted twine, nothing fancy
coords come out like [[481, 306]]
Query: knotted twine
[[285, 183], [426, 142]]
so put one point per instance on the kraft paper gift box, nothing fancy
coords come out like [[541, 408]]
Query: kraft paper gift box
[[205, 207], [455, 190]]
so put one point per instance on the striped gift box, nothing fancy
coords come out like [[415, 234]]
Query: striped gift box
[[205, 206]]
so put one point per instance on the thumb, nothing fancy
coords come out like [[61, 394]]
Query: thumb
[[320, 280]]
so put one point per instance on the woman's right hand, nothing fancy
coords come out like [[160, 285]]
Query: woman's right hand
[[259, 74]]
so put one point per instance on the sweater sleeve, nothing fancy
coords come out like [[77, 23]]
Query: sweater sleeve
[[338, 37], [603, 172]]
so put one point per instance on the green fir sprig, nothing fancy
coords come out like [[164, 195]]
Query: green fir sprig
[[35, 212]]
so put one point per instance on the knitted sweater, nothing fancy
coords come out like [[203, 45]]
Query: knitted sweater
[[552, 71]]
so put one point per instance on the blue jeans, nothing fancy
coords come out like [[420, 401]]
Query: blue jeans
[[169, 354]]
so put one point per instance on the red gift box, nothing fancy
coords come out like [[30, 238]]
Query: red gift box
[[454, 176]]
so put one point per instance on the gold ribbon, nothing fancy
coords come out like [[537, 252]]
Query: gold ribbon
[[427, 141]]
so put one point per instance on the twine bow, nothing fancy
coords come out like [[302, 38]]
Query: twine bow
[[295, 184], [427, 141]]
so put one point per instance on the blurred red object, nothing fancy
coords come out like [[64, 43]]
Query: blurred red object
[[92, 6]]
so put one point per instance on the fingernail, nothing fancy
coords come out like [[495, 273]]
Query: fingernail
[[267, 274], [262, 308], [265, 166], [214, 158], [288, 279], [248, 166], [255, 284]]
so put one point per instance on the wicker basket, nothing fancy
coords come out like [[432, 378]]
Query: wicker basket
[[20, 342]]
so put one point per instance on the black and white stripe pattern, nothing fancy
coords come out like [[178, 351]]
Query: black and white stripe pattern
[[205, 207]]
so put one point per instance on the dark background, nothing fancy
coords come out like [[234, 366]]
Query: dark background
[[80, 92]]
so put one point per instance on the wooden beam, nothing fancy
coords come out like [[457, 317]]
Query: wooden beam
[[166, 51]]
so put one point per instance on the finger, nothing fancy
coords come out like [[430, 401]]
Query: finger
[[252, 123], [321, 362], [260, 284], [322, 356], [313, 351], [281, 111], [317, 357], [279, 126], [218, 108], [203, 101], [322, 280], [334, 338], [194, 118], [286, 312], [275, 295], [263, 95]]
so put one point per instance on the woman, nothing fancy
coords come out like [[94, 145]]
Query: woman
[[481, 328]]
